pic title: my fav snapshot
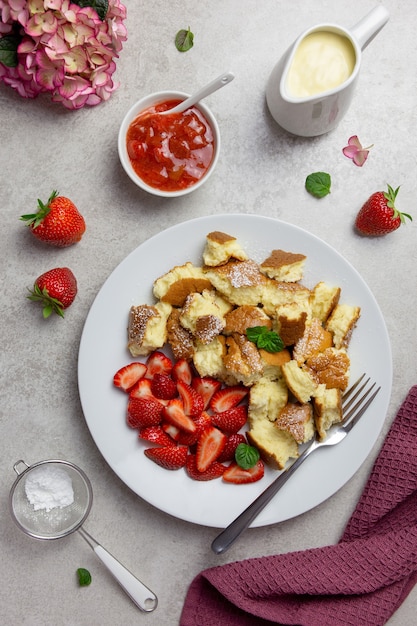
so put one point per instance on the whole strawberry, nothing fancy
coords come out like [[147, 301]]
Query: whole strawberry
[[378, 216], [55, 289], [58, 222]]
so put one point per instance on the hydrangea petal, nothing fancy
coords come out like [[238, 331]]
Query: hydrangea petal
[[350, 151], [360, 157], [354, 141], [355, 151]]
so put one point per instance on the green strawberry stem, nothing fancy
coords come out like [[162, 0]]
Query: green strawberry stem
[[390, 196], [50, 304], [34, 219]]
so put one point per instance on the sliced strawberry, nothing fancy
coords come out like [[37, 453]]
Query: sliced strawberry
[[229, 449], [206, 387], [191, 399], [209, 447], [215, 470], [156, 434], [144, 412], [174, 414], [126, 377], [239, 476], [202, 421], [182, 371], [158, 362], [169, 457], [172, 431], [227, 398], [232, 420], [163, 386], [142, 389]]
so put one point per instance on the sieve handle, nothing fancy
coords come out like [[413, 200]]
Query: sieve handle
[[141, 595]]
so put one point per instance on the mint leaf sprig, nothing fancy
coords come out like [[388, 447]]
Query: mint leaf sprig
[[246, 456], [84, 577], [318, 184], [264, 338], [184, 40]]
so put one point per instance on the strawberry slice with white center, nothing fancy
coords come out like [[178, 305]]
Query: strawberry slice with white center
[[182, 371], [209, 447], [191, 399], [215, 470], [126, 377], [228, 398], [158, 362], [239, 476], [173, 431], [174, 414], [232, 420], [144, 412], [189, 439], [142, 389], [156, 434], [169, 457], [206, 387]]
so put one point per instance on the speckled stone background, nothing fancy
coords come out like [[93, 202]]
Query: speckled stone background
[[262, 171]]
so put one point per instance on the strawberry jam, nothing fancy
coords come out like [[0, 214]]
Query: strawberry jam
[[170, 152]]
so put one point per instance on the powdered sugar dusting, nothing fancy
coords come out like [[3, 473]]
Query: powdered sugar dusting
[[244, 274], [48, 487]]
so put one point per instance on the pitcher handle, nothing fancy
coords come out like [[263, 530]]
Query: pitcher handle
[[369, 26]]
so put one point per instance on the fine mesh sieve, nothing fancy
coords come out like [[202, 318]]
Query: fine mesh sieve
[[58, 522], [61, 521]]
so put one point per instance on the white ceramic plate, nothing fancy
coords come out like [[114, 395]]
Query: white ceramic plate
[[103, 351]]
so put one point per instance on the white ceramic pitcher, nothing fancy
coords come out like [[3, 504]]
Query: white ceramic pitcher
[[317, 114]]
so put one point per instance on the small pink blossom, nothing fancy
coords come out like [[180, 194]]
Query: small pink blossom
[[355, 151], [63, 49], [41, 23]]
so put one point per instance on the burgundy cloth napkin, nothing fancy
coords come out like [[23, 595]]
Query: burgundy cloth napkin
[[360, 581]]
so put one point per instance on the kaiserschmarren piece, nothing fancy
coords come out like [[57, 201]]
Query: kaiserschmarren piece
[[147, 328], [297, 420], [324, 298], [220, 248], [341, 323], [327, 409], [174, 286], [203, 314], [284, 266]]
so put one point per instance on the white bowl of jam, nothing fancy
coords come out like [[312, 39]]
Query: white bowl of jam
[[168, 155]]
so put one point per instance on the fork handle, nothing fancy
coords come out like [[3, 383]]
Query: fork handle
[[229, 535]]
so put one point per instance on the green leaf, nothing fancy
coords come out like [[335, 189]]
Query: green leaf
[[246, 456], [50, 305], [84, 577], [264, 338], [100, 6], [8, 50], [318, 184], [184, 40]]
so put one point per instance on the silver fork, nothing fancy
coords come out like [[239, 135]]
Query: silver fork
[[354, 404]]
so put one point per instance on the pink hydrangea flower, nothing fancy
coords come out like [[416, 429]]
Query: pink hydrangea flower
[[60, 48], [355, 151]]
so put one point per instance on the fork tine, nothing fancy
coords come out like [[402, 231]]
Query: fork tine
[[357, 411], [359, 401], [351, 389], [347, 395]]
